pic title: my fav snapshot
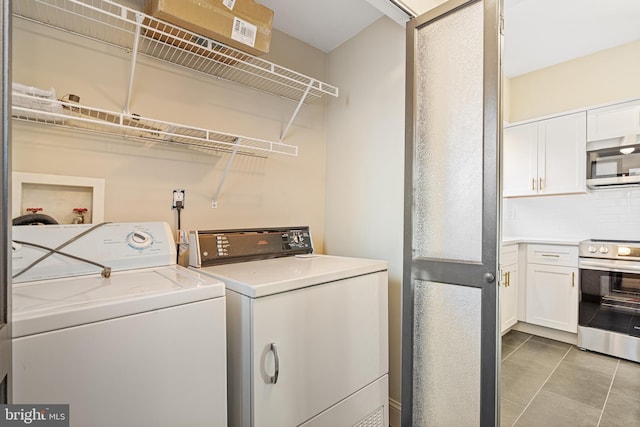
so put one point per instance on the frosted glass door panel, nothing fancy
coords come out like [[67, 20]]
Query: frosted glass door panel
[[448, 369], [449, 134]]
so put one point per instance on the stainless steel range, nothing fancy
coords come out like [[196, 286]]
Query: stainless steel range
[[609, 308]]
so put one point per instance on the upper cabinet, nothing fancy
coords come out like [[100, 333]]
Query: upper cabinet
[[545, 157], [520, 160], [614, 121]]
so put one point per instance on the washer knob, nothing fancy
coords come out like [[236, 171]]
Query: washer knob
[[604, 250], [139, 239]]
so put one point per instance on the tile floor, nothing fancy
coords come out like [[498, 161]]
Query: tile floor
[[550, 383]]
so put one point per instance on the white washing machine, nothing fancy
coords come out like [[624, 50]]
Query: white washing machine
[[143, 345], [307, 335]]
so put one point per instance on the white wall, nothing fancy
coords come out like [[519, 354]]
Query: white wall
[[365, 161], [607, 76], [140, 176]]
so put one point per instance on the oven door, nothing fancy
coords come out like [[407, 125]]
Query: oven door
[[610, 295]]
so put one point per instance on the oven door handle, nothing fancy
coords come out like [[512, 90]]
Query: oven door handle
[[617, 266]]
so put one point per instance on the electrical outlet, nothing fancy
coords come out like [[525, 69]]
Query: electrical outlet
[[178, 196]]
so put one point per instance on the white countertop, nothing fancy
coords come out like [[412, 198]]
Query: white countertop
[[510, 240]]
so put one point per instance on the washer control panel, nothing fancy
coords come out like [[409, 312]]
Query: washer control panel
[[67, 250], [226, 246]]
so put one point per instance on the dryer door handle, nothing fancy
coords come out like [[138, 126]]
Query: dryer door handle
[[274, 349]]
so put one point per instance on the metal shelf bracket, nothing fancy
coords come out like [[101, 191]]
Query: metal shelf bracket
[[134, 59], [214, 202], [295, 112]]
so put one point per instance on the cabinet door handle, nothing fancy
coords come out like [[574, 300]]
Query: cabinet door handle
[[573, 279], [506, 279], [274, 378], [540, 181], [533, 184]]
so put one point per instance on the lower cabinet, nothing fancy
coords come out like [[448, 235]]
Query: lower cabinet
[[552, 286], [509, 289]]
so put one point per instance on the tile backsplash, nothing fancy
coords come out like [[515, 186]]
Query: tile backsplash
[[603, 214]]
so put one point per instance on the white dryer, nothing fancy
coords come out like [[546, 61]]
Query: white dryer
[[307, 335], [142, 345]]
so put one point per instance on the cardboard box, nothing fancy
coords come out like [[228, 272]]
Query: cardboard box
[[186, 41], [243, 24]]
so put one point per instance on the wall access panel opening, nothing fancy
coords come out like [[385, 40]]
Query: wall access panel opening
[[67, 199]]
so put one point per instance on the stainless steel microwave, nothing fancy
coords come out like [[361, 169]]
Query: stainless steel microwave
[[611, 166]]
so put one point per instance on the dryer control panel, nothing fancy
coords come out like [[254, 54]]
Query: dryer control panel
[[226, 246]]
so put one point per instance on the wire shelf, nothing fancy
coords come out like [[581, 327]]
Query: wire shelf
[[117, 25], [39, 109]]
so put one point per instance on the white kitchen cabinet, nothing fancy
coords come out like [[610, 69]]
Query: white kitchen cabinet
[[545, 157], [552, 286], [520, 164], [614, 121], [509, 288]]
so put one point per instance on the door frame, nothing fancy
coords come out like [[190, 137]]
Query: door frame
[[5, 208]]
